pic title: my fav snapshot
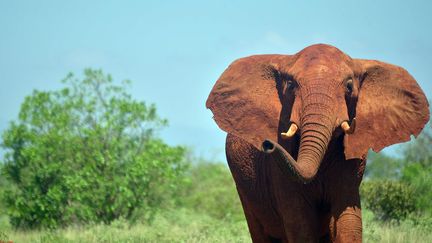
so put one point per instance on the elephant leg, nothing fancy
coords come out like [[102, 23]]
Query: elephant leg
[[256, 229], [242, 160], [343, 189], [301, 225], [299, 213], [347, 225]]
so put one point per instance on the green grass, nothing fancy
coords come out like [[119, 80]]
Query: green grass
[[399, 234], [186, 226], [211, 212], [174, 226], [406, 231]]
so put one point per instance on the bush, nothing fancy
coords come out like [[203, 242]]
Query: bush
[[86, 153], [419, 177], [388, 200], [418, 170], [212, 191]]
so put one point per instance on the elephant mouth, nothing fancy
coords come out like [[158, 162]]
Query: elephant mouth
[[306, 167]]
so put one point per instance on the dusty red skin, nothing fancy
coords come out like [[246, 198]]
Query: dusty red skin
[[313, 195]]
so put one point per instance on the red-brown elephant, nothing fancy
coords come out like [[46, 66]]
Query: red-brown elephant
[[299, 129]]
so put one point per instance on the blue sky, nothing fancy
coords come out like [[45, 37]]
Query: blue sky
[[174, 51]]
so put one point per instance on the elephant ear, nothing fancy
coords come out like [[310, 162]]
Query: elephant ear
[[245, 100], [391, 106]]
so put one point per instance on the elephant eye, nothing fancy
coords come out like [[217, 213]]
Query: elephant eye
[[290, 85], [349, 85]]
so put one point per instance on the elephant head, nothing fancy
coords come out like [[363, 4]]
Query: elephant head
[[315, 93]]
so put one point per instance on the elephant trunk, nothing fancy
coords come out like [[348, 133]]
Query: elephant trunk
[[316, 132]]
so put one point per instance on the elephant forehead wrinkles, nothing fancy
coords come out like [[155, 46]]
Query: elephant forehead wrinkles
[[320, 63], [321, 74]]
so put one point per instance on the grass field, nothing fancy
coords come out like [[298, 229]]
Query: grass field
[[185, 226]]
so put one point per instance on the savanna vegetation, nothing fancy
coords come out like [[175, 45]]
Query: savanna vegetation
[[85, 164]]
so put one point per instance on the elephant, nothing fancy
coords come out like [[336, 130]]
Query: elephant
[[299, 128]]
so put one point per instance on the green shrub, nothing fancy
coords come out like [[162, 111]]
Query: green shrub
[[87, 153], [382, 166], [418, 170], [388, 200], [212, 191]]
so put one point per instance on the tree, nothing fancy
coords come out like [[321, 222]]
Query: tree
[[388, 199], [87, 152], [418, 170], [382, 166], [211, 191], [420, 150]]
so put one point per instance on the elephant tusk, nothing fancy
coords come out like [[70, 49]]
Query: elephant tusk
[[349, 129], [291, 131]]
